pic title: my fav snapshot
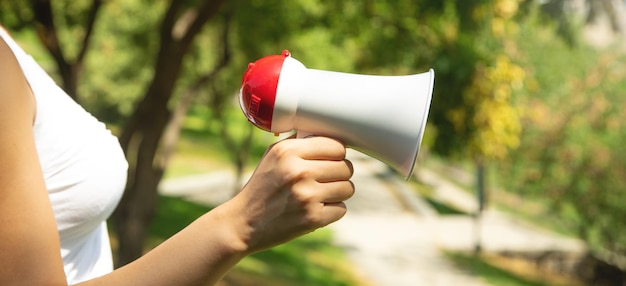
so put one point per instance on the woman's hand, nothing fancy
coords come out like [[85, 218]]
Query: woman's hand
[[299, 186]]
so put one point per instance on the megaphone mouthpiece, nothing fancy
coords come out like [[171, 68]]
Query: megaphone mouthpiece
[[258, 89]]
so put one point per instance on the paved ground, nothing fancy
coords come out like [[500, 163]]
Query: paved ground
[[392, 236]]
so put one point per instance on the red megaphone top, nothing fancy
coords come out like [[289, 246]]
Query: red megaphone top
[[258, 89]]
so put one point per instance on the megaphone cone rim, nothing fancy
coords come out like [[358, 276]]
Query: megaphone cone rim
[[431, 72]]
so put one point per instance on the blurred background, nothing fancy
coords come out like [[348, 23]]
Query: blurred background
[[527, 113]]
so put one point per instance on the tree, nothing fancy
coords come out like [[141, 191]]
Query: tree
[[571, 149], [81, 20], [143, 130], [612, 9], [141, 135], [570, 17], [470, 44]]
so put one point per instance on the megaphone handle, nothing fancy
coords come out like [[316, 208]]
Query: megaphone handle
[[303, 134]]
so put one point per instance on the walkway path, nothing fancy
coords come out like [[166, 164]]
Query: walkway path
[[391, 235]]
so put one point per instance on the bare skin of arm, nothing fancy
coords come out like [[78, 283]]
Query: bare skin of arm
[[27, 227], [299, 186]]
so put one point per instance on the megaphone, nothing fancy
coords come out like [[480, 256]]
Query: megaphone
[[381, 116]]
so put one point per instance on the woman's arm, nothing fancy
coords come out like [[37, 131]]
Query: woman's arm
[[299, 186], [29, 242]]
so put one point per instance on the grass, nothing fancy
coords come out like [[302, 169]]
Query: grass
[[502, 271], [490, 273], [532, 210], [426, 193], [309, 260], [444, 209]]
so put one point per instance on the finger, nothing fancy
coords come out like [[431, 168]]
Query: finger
[[330, 171], [335, 192], [322, 148], [332, 212]]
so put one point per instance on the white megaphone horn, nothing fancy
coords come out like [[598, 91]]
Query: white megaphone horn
[[381, 116]]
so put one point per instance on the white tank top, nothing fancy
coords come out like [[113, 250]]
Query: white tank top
[[84, 170]]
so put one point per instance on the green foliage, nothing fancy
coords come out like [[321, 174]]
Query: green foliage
[[374, 37], [15, 14], [494, 120], [173, 215], [71, 20], [568, 27], [571, 150], [396, 37], [473, 106], [307, 28], [198, 128], [120, 64]]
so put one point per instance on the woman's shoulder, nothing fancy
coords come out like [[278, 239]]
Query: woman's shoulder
[[15, 94]]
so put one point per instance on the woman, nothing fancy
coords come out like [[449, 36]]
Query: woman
[[62, 173]]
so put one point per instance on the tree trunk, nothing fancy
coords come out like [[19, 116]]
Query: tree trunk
[[481, 198], [47, 33], [142, 134], [138, 205], [613, 10]]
